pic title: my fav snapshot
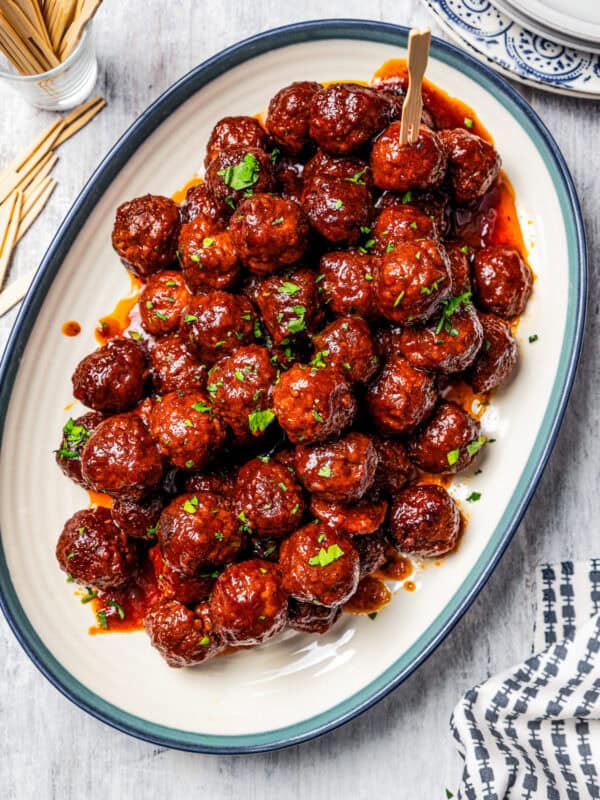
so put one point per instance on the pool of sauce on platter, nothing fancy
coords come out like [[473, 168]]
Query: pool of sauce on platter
[[493, 220]]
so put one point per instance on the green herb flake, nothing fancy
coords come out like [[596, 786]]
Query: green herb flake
[[390, 247], [189, 464], [260, 420], [171, 283], [533, 338], [368, 276], [468, 122], [220, 536], [326, 557], [201, 408], [208, 241], [119, 608], [453, 456], [321, 538], [465, 249], [449, 307], [407, 197], [398, 300], [278, 221], [317, 416], [195, 258], [474, 497], [372, 615], [149, 304], [319, 358], [296, 508], [101, 617], [242, 175], [263, 570], [287, 287], [191, 505], [204, 641], [356, 178], [89, 596], [476, 445], [325, 471], [135, 335], [239, 375], [413, 225], [190, 318], [338, 204]]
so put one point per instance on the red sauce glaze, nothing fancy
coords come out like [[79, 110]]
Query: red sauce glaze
[[71, 328], [371, 596], [396, 567], [410, 586], [118, 320], [131, 602]]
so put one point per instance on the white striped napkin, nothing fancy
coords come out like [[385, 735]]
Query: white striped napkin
[[534, 730]]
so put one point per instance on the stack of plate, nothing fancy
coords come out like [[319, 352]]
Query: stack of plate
[[554, 44]]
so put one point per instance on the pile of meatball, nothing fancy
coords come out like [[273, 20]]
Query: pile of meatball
[[268, 432]]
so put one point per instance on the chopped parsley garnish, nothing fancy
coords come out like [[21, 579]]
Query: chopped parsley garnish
[[275, 152], [282, 486], [317, 416], [101, 617], [260, 420], [207, 241], [434, 286], [190, 318], [263, 570], [325, 471], [319, 359], [390, 247], [365, 229], [465, 249], [476, 445], [220, 536], [171, 282], [195, 258], [287, 287], [191, 505], [448, 309], [75, 436], [89, 596], [453, 456], [298, 323], [161, 315], [150, 532], [270, 550], [118, 607], [473, 497], [202, 408], [242, 175], [326, 557], [407, 197], [239, 375], [368, 276], [149, 304], [468, 122], [418, 255], [204, 641], [399, 299], [372, 615], [321, 538], [413, 225], [189, 464], [356, 178], [295, 508], [135, 335], [338, 205], [278, 221], [533, 338]]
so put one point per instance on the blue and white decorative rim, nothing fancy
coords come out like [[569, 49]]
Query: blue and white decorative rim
[[493, 37], [438, 630]]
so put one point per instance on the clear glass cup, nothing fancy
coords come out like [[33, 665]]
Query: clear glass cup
[[63, 87]]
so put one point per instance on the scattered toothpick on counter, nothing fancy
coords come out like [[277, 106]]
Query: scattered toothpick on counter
[[37, 35], [25, 187], [418, 55]]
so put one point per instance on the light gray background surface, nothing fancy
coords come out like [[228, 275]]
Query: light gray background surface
[[401, 748]]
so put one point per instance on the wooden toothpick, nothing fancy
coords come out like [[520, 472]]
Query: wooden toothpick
[[418, 55]]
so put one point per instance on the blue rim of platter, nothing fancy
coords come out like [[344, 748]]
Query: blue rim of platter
[[448, 617]]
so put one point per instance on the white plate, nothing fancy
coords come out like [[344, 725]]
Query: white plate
[[548, 33], [580, 18], [298, 686]]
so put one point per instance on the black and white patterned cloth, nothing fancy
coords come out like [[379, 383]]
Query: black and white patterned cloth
[[534, 730]]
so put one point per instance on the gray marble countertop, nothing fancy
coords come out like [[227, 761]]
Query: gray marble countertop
[[401, 748]]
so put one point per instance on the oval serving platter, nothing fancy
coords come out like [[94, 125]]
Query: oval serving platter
[[299, 686]]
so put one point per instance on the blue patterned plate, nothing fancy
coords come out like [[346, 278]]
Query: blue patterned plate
[[493, 37]]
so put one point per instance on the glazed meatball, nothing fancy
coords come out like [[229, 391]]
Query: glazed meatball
[[269, 498], [403, 223], [449, 441], [161, 302], [425, 521], [412, 281], [75, 434], [339, 471], [346, 345], [473, 163], [112, 378], [174, 366], [269, 232], [216, 481], [195, 530], [497, 358], [447, 349], [410, 166], [217, 324], [241, 386], [289, 177], [248, 603], [240, 132], [172, 585], [145, 234], [94, 552], [364, 517], [344, 116], [371, 552], [186, 429], [434, 203], [502, 281], [289, 115], [182, 636], [401, 397], [386, 341], [319, 565], [208, 257], [121, 458], [311, 618], [137, 519], [336, 207], [395, 469], [198, 201], [313, 404], [347, 283], [460, 270], [289, 304], [349, 168], [237, 173]]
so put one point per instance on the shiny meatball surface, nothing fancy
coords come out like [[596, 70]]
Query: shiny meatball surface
[[268, 498], [336, 207], [311, 618], [173, 585], [235, 132], [395, 469], [497, 357], [473, 163], [137, 518], [371, 552], [319, 565], [402, 223], [313, 404], [217, 324], [401, 397], [75, 434], [344, 116], [121, 458], [425, 521], [443, 347], [364, 517], [174, 367], [412, 281], [112, 378], [234, 172], [161, 302], [145, 233], [410, 166], [289, 113], [502, 281], [346, 345], [194, 530], [289, 304], [208, 257], [184, 637], [339, 471], [248, 603], [269, 232], [94, 551], [198, 201], [186, 429], [347, 283], [448, 442]]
